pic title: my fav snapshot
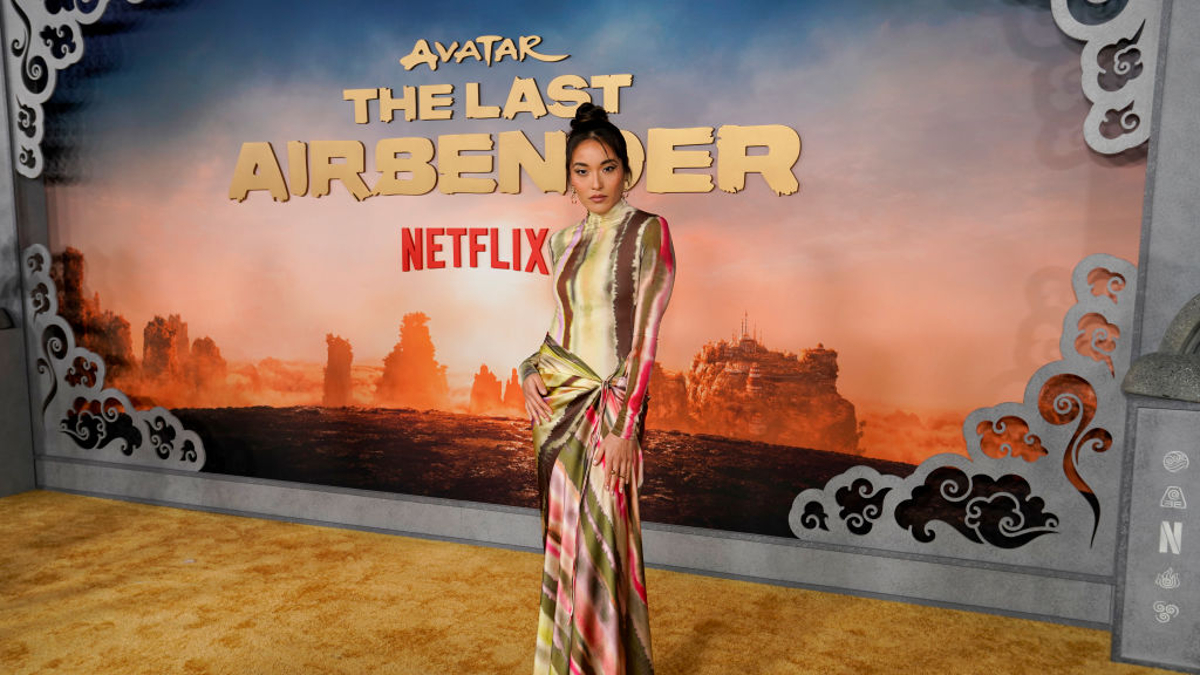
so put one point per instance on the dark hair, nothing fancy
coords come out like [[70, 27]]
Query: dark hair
[[591, 122]]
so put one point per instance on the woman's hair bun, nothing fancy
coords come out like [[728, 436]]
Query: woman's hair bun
[[588, 116], [591, 122]]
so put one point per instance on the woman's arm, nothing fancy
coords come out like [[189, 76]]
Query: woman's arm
[[529, 366], [656, 276]]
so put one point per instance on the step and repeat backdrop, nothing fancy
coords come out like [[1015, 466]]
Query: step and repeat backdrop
[[306, 242]]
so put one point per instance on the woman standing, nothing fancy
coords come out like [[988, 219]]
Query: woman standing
[[586, 392]]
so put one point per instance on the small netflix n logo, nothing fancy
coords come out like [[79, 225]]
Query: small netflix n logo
[[1170, 536]]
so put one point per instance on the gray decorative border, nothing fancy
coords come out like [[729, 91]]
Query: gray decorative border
[[82, 419], [1039, 485], [45, 37], [1119, 62]]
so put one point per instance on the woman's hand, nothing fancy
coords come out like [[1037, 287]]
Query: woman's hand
[[535, 403], [621, 462]]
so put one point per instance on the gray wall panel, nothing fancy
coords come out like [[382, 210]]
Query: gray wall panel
[[16, 434], [781, 561], [1171, 247], [1157, 600]]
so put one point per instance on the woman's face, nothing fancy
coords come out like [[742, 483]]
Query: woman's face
[[597, 176]]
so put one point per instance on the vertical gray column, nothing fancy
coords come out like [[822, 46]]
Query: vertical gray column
[[1157, 613], [16, 430]]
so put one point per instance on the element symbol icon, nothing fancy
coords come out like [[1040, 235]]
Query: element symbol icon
[[1175, 461], [1173, 498], [1167, 580], [1164, 612]]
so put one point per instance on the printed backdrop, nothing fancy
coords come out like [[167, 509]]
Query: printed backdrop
[[920, 269]]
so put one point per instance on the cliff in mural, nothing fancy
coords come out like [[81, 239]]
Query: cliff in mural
[[490, 396], [173, 371], [668, 407], [412, 377], [339, 384], [514, 398], [176, 372], [102, 332], [741, 389], [486, 398], [165, 348]]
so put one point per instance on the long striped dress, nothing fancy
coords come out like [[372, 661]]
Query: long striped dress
[[612, 278]]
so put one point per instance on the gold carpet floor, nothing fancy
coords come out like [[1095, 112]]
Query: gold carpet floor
[[99, 586]]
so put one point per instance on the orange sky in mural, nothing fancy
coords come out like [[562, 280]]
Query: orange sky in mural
[[924, 313], [931, 245]]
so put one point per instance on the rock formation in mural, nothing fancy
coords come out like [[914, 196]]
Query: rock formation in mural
[[412, 377], [514, 398], [206, 369], [103, 332], [741, 389], [172, 371], [175, 372], [736, 388], [339, 387], [165, 347], [668, 408], [485, 393]]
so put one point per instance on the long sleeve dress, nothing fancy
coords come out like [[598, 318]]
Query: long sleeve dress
[[612, 279]]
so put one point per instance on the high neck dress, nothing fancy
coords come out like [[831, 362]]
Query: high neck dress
[[612, 280]]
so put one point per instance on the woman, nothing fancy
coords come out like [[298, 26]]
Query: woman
[[586, 392]]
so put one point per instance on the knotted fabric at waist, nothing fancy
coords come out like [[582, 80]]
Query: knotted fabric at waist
[[584, 409]]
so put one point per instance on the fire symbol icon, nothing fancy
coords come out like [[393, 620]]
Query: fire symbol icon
[[1167, 580]]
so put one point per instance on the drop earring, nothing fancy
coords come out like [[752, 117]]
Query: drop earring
[[574, 197]]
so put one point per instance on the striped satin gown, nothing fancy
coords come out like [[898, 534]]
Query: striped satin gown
[[612, 280]]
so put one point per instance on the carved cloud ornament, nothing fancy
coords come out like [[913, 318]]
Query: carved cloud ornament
[[44, 37], [82, 417], [1039, 481], [1119, 60]]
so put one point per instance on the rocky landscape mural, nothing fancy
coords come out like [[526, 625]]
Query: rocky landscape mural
[[729, 441]]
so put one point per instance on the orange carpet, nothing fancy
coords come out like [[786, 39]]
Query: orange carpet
[[99, 586]]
